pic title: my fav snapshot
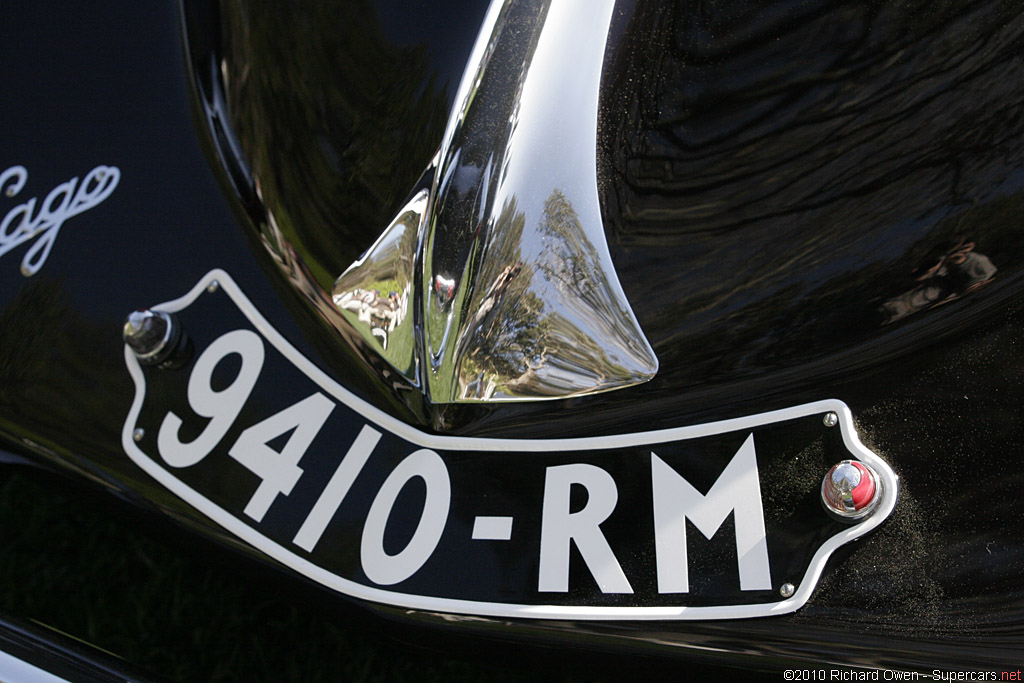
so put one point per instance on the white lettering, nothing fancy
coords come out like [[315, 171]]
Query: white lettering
[[492, 528], [64, 201], [279, 470], [337, 488], [384, 569], [736, 490], [559, 528], [221, 406]]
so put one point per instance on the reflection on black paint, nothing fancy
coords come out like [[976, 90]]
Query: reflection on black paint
[[772, 175], [323, 119], [335, 121], [943, 277]]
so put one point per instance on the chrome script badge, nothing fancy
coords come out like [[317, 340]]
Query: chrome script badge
[[27, 221]]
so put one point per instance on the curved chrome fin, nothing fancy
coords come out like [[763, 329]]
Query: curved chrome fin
[[518, 296], [376, 294]]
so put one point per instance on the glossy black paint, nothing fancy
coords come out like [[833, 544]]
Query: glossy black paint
[[772, 176], [55, 653], [780, 178]]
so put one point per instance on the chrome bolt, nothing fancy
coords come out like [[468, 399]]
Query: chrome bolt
[[830, 419], [787, 590], [138, 434], [851, 490], [151, 335], [10, 191], [845, 477], [213, 286]]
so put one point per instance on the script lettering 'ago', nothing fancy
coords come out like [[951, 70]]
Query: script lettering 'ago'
[[24, 223]]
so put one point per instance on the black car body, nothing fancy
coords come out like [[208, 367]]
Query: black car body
[[812, 208]]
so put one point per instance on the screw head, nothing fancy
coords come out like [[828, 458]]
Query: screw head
[[138, 434], [10, 191], [830, 419], [213, 286], [787, 590]]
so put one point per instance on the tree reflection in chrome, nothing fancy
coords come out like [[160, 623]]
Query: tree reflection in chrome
[[500, 252], [512, 343]]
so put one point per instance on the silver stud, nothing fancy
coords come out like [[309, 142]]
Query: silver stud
[[830, 419], [151, 335], [851, 490], [787, 590], [138, 434], [213, 286], [10, 191]]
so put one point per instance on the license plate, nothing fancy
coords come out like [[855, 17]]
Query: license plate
[[719, 520]]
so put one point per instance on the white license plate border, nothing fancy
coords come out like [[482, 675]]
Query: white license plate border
[[303, 566]]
